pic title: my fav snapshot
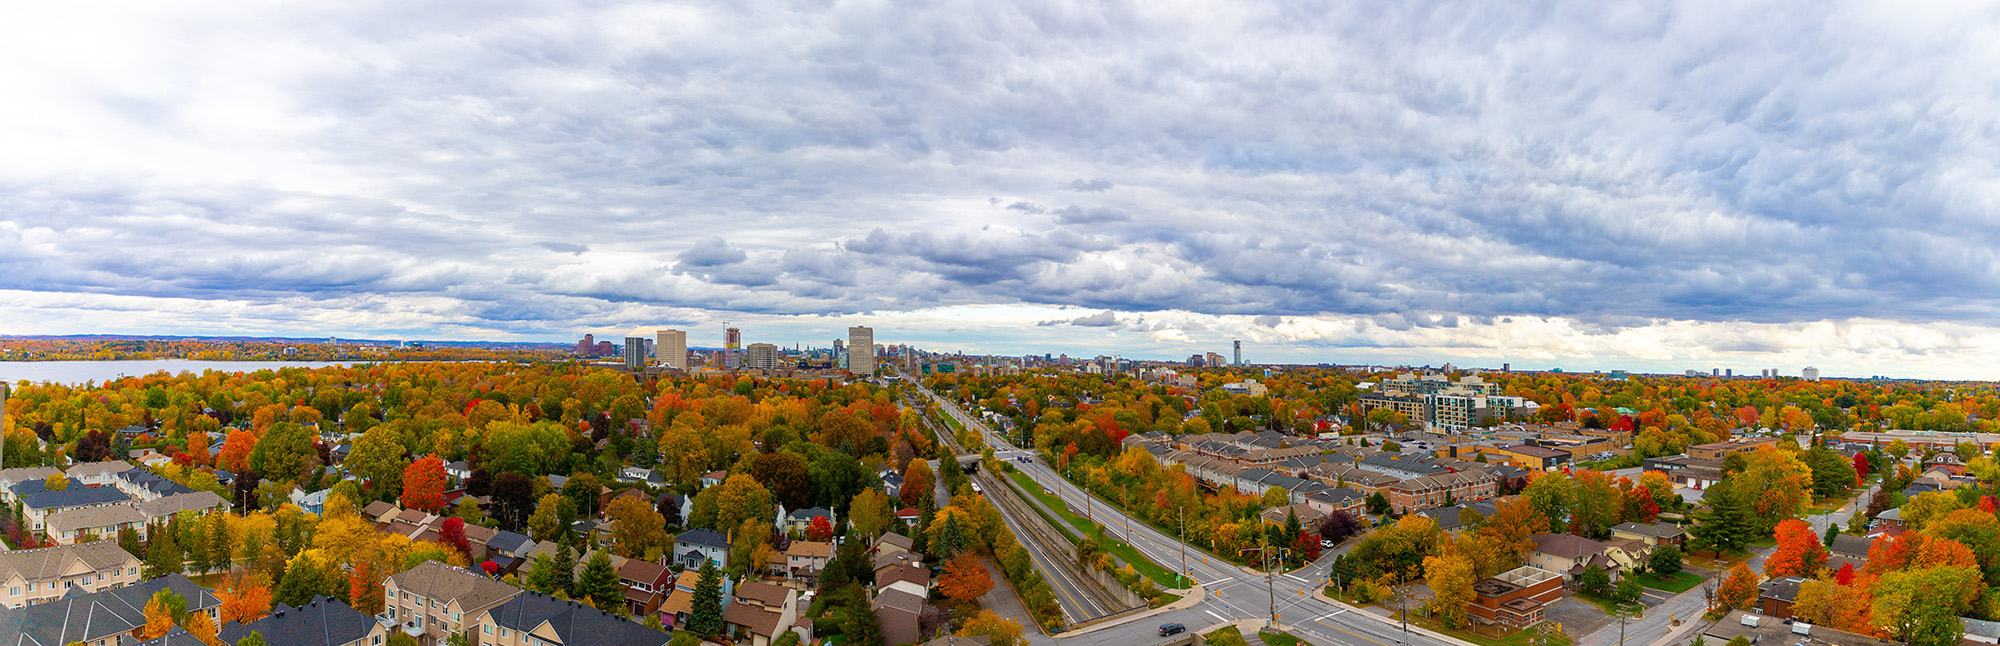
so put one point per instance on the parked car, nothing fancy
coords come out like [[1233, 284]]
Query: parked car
[[1172, 629], [1326, 543]]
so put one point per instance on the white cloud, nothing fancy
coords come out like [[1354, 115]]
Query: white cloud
[[1414, 173]]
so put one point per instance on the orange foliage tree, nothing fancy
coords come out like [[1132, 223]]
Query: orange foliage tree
[[235, 455], [965, 580], [1799, 551], [245, 598], [1739, 590], [423, 484]]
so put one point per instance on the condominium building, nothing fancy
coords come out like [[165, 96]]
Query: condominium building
[[860, 350], [535, 619], [635, 353], [29, 577], [440, 600], [761, 356], [672, 346], [732, 348]]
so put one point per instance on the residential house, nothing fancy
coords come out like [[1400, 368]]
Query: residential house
[[440, 600], [103, 618], [679, 602], [320, 622], [1517, 597], [1776, 596], [801, 520], [43, 574], [314, 502], [1341, 499], [535, 619], [459, 471], [1426, 492], [903, 616], [646, 585], [713, 478], [804, 560], [1570, 555], [642, 474], [696, 545], [891, 542], [761, 611], [1652, 534], [908, 577], [1308, 517], [17, 475]]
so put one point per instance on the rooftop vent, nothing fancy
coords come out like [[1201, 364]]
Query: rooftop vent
[[1750, 620]]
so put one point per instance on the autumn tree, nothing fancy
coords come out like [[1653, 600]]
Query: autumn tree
[[869, 514], [159, 617], [741, 498], [819, 530], [245, 598], [378, 458], [918, 481], [235, 455], [965, 580], [1739, 590], [1002, 631], [640, 531], [1921, 606], [423, 484], [1783, 484], [1799, 552], [1450, 576]]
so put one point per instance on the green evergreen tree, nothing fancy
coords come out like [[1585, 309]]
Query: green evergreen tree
[[542, 575], [301, 582], [163, 556], [706, 617], [599, 583], [221, 545], [564, 572], [195, 537], [1832, 532], [1726, 522], [862, 628], [951, 538]]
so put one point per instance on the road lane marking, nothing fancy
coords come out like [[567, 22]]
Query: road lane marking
[[1217, 617]]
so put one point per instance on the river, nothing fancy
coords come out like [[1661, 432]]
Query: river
[[77, 372]]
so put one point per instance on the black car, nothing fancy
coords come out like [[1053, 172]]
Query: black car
[[1172, 629]]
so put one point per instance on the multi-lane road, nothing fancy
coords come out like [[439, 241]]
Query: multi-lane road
[[1232, 592]]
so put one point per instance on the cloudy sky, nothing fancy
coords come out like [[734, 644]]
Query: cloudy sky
[[1642, 185]]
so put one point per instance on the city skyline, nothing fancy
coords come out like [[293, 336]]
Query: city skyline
[[1651, 188]]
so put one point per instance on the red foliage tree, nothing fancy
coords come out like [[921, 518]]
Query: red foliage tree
[[1860, 465], [453, 534], [1846, 574], [1307, 544], [820, 530], [423, 484], [1986, 504]]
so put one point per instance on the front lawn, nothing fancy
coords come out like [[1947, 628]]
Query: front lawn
[[1680, 582], [1609, 606], [1495, 635]]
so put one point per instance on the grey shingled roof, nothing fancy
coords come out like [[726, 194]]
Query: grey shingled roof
[[321, 622], [434, 580], [76, 496], [79, 617], [575, 624], [44, 563]]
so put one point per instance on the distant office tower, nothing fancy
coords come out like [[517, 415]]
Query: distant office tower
[[1506, 367], [1810, 373], [635, 353], [1728, 372], [732, 348], [1714, 372], [588, 346], [673, 348], [761, 356], [1239, 352], [860, 350]]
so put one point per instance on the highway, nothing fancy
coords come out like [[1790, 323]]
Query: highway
[[1233, 593]]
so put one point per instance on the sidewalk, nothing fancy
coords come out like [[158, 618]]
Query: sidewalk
[[1320, 594]]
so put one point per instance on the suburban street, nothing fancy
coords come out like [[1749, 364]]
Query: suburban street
[[1233, 593]]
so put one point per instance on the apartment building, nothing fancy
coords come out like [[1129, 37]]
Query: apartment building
[[1439, 490], [29, 577], [85, 524], [102, 618], [440, 600], [38, 502]]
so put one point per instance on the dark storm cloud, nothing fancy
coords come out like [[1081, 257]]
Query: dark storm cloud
[[1422, 166]]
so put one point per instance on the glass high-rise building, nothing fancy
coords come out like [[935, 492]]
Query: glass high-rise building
[[860, 350]]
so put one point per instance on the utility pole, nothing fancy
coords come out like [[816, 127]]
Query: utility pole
[[1270, 585], [1403, 602], [1184, 569]]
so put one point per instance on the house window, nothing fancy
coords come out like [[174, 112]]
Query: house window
[[488, 628], [14, 591]]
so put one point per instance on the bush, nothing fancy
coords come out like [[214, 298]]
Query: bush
[[1628, 590], [1666, 561]]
